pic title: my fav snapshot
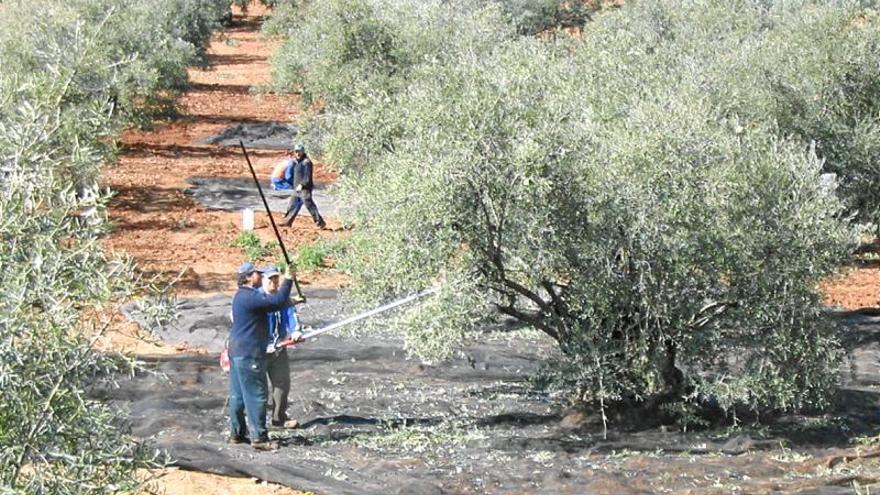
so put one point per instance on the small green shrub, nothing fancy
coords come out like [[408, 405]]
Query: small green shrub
[[531, 17], [310, 256], [251, 245]]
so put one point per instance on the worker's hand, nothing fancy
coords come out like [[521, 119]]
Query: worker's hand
[[295, 338], [299, 187], [288, 272]]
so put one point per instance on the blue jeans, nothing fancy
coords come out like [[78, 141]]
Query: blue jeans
[[247, 393]]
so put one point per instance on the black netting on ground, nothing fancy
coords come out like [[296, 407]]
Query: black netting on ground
[[237, 193], [261, 135], [374, 421]]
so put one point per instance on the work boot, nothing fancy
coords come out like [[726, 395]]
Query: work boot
[[265, 445], [321, 223], [288, 423], [287, 221], [236, 440]]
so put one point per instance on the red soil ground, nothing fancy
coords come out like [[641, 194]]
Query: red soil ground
[[855, 288], [160, 226]]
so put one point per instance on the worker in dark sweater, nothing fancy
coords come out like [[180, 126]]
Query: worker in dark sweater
[[247, 354], [299, 177]]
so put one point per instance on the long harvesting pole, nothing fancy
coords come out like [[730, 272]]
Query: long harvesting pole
[[364, 315], [299, 294]]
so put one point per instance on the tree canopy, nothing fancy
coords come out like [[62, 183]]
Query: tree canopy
[[647, 193], [74, 73]]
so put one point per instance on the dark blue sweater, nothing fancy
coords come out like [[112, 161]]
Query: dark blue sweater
[[250, 307], [300, 173]]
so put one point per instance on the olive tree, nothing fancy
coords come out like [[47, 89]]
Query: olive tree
[[816, 77], [73, 75], [129, 55], [604, 194], [344, 53]]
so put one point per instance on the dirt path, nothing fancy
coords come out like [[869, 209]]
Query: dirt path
[[855, 288], [167, 233], [156, 222], [162, 227]]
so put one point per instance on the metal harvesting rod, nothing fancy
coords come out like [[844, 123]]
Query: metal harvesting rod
[[364, 315]]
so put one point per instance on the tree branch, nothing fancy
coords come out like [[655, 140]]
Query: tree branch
[[715, 310], [534, 319]]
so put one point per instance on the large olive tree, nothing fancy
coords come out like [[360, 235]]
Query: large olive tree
[[631, 193]]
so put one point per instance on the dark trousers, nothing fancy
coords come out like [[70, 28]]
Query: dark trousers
[[279, 385], [247, 394], [299, 199]]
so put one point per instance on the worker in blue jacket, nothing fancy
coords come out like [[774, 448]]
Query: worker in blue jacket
[[248, 341], [283, 327]]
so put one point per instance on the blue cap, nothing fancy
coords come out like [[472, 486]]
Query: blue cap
[[270, 271], [247, 268], [299, 147]]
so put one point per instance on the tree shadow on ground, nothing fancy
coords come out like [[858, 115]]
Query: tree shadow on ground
[[853, 416], [149, 200], [350, 420], [238, 89], [146, 150], [245, 24], [234, 59], [224, 119]]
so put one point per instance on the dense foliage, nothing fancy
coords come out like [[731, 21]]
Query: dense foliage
[[244, 4], [647, 193], [73, 74], [532, 17], [349, 52]]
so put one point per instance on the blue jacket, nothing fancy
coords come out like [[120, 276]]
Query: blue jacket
[[286, 181], [250, 333], [282, 324]]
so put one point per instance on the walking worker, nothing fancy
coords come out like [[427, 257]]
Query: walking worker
[[283, 327], [248, 341], [299, 176]]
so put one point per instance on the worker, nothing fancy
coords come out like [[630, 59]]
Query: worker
[[298, 176], [283, 328], [248, 341]]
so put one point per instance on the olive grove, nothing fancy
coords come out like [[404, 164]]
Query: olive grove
[[646, 193], [74, 73]]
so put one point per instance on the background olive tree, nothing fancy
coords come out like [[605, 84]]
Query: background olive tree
[[646, 194], [74, 73]]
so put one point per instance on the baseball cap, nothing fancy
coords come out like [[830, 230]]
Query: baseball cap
[[270, 271], [247, 268], [299, 147]]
